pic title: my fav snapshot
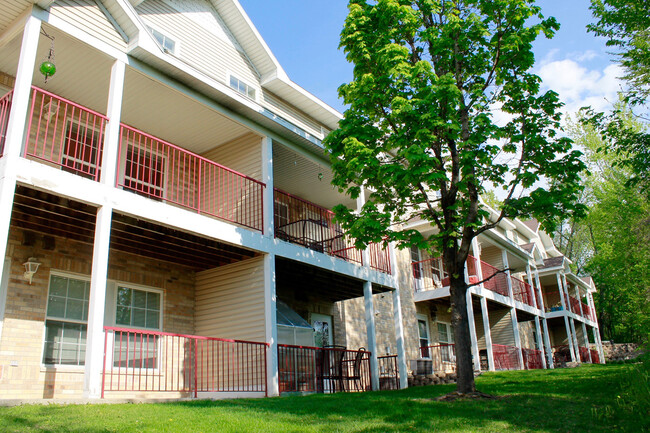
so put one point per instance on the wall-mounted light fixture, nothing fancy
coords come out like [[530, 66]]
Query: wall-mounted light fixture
[[31, 266]]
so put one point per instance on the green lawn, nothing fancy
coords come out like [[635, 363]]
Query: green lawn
[[586, 399]]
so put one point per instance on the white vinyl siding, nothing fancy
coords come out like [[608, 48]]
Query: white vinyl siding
[[208, 51], [88, 16], [230, 301], [243, 154], [500, 328], [492, 255]]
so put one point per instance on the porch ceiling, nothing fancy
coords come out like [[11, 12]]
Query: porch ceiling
[[82, 73], [302, 281], [298, 175], [57, 216], [169, 114], [12, 9]]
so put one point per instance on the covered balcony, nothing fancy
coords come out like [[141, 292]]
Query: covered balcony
[[303, 198], [430, 274], [174, 147]]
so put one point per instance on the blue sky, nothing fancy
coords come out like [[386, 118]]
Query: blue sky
[[304, 36]]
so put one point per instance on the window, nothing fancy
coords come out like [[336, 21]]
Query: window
[[80, 150], [144, 172], [423, 332], [136, 309], [167, 43], [66, 321], [242, 87], [446, 340]]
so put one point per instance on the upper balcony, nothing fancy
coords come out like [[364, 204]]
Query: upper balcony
[[301, 222], [430, 274]]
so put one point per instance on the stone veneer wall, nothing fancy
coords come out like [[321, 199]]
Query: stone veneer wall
[[22, 374]]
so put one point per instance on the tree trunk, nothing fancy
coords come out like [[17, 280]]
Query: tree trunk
[[460, 325]]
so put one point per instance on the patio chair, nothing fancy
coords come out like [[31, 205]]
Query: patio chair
[[333, 367], [355, 377]]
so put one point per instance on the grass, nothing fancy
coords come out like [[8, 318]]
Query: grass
[[586, 399]]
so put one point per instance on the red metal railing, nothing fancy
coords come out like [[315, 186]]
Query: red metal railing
[[388, 372], [304, 223], [163, 171], [505, 357], [323, 370], [499, 281], [5, 108], [429, 274], [64, 133], [561, 354], [588, 312], [443, 356], [532, 358], [575, 305], [584, 354], [522, 291], [148, 361], [595, 356]]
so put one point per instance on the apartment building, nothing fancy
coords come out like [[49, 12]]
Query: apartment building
[[165, 224], [164, 206], [527, 309]]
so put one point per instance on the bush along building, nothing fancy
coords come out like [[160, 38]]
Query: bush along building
[[166, 232]]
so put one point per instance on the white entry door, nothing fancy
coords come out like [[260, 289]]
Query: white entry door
[[322, 324]]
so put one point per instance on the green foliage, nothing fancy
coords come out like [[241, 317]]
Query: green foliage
[[420, 134], [614, 240], [626, 25], [577, 400]]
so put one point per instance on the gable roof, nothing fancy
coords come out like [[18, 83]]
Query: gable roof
[[272, 75], [553, 262], [532, 224]]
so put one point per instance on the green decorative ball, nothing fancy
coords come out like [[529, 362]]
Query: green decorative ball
[[48, 68]]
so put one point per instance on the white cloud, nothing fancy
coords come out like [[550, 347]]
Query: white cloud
[[579, 86]]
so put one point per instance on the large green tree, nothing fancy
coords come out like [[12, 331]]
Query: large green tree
[[626, 26], [421, 136], [612, 243]]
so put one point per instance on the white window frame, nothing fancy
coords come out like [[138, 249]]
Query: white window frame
[[450, 338], [255, 89], [424, 318], [111, 320], [166, 36], [66, 367]]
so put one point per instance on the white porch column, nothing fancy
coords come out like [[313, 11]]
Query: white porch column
[[112, 135], [476, 251], [506, 265], [96, 306], [370, 331], [569, 338], [361, 200], [95, 333], [16, 128], [472, 331], [515, 329], [529, 275], [585, 340], [599, 345], [540, 344], [582, 313], [547, 342], [488, 333], [267, 178], [547, 338], [271, 324], [560, 290], [575, 340], [399, 337]]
